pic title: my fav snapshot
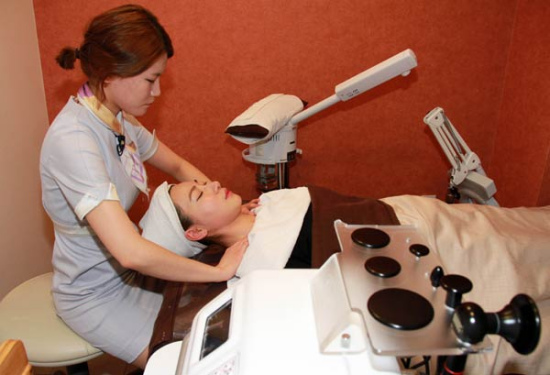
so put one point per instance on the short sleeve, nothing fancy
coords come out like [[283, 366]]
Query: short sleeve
[[74, 163]]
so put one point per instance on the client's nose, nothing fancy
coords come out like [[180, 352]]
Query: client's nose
[[215, 186]]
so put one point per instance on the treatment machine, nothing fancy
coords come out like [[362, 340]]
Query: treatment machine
[[381, 302]]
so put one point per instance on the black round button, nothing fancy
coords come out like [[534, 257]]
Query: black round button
[[371, 238], [400, 309], [419, 250], [382, 266], [436, 275], [456, 286]]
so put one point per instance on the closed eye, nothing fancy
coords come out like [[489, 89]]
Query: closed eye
[[192, 193]]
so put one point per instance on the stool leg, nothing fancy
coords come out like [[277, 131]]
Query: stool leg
[[78, 369]]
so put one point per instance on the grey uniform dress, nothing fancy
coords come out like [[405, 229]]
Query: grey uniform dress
[[80, 167]]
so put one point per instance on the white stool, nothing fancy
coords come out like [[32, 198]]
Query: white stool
[[27, 313]]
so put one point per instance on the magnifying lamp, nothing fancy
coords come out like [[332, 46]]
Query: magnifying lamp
[[273, 154]]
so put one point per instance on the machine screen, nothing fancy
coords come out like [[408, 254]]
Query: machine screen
[[216, 331]]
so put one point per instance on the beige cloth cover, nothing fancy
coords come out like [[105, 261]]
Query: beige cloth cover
[[503, 252]]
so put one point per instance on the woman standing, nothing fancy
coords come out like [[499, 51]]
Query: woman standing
[[92, 170]]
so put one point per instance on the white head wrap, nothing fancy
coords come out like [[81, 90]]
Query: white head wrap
[[161, 225]]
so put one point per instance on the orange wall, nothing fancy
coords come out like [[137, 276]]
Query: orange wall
[[230, 54], [522, 146]]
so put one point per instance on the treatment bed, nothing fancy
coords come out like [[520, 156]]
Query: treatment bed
[[503, 252]]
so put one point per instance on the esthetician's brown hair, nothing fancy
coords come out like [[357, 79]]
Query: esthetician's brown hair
[[122, 42]]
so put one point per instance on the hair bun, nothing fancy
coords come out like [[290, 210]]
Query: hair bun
[[67, 57]]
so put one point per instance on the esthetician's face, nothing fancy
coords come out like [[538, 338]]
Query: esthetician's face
[[207, 204], [135, 94]]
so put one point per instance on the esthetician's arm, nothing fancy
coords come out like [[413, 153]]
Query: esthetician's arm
[[171, 163], [115, 230]]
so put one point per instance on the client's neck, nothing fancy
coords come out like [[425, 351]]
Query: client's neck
[[235, 231]]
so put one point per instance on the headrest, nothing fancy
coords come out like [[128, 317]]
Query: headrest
[[161, 225], [264, 118]]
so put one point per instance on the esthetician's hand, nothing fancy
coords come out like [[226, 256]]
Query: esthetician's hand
[[248, 207], [232, 258]]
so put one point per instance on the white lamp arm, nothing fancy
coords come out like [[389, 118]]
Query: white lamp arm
[[462, 159]]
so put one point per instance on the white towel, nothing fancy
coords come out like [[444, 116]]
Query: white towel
[[279, 219], [161, 225]]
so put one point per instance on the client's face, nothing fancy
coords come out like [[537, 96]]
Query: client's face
[[207, 204]]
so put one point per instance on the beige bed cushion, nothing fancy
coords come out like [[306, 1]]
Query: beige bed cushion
[[504, 252]]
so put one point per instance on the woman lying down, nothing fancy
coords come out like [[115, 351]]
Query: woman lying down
[[502, 251]]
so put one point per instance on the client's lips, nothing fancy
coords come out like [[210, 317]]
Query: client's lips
[[227, 193]]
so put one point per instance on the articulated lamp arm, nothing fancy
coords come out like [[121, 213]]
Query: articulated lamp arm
[[467, 174], [462, 159], [397, 65]]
